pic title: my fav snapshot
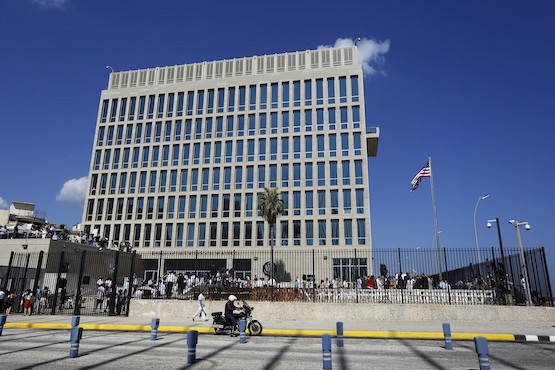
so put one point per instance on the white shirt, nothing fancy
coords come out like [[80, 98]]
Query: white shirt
[[201, 299]]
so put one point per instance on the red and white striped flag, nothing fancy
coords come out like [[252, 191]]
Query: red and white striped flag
[[426, 171]]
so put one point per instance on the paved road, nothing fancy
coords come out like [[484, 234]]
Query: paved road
[[49, 349]]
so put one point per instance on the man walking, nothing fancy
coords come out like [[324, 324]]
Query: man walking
[[200, 310]]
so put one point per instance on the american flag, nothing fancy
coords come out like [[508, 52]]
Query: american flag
[[426, 171]]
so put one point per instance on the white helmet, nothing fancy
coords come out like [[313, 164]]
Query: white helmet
[[232, 298]]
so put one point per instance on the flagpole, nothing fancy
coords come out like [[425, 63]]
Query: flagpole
[[435, 218]]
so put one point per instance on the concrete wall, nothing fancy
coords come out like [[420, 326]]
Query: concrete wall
[[351, 311]]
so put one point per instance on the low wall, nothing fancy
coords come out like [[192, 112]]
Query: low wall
[[366, 312]]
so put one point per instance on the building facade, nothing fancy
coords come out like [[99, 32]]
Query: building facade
[[181, 153]]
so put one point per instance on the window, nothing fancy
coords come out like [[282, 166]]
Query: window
[[160, 112], [250, 177], [219, 126], [198, 128], [205, 178], [284, 175], [200, 101], [206, 153], [241, 125], [231, 99], [333, 173], [171, 98], [308, 120], [203, 206], [216, 178], [360, 200], [261, 176], [356, 117], [321, 148], [309, 232], [230, 129], [155, 155], [138, 133], [308, 173], [181, 207], [252, 97], [188, 129], [331, 90], [152, 183], [184, 177], [248, 234], [171, 207], [252, 124], [180, 101], [186, 153], [319, 91], [239, 151], [320, 119], [285, 122], [196, 153], [110, 137], [210, 107], [354, 88], [213, 234], [321, 232], [221, 100], [347, 202], [273, 176], [274, 88], [148, 132], [192, 206], [358, 172], [129, 134], [179, 241], [262, 149], [334, 232], [321, 202], [214, 205], [151, 101], [107, 159], [190, 99], [361, 231], [142, 182], [263, 96], [274, 122], [208, 128], [114, 110], [119, 135], [297, 121], [238, 177], [357, 143], [165, 155], [248, 205], [194, 179], [160, 208], [242, 97], [259, 233], [218, 152], [104, 110], [100, 137], [225, 234], [334, 201], [190, 235], [296, 93], [321, 173], [285, 147], [296, 174], [309, 203], [175, 155], [273, 149], [284, 226], [342, 89], [132, 107], [142, 100], [262, 121], [122, 183], [237, 205], [173, 180], [308, 92], [227, 178], [137, 235], [148, 235], [296, 203]]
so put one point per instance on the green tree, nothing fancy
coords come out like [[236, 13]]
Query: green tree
[[270, 205]]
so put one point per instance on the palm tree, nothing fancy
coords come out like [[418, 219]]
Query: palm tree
[[271, 206]]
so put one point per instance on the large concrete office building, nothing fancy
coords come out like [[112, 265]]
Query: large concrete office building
[[181, 153]]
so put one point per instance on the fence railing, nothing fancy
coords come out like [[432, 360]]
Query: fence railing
[[314, 275]]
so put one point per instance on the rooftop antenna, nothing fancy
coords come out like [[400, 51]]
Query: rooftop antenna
[[110, 68], [357, 40]]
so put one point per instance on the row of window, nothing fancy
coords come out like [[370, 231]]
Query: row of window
[[305, 203], [231, 151], [233, 126], [238, 177], [230, 99], [213, 234]]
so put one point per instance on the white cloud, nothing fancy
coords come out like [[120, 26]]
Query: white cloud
[[59, 4], [73, 190], [3, 204], [370, 52]]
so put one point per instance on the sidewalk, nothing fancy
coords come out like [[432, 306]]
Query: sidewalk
[[513, 331]]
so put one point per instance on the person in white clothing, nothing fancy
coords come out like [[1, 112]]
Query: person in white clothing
[[200, 311]]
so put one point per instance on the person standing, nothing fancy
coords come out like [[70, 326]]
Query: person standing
[[99, 297], [27, 302], [170, 281], [200, 311]]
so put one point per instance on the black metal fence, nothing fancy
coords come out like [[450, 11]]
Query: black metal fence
[[496, 279], [67, 282], [92, 282]]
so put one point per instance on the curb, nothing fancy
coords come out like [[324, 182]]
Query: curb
[[298, 332]]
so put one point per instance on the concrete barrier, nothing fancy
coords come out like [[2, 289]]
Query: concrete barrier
[[364, 312]]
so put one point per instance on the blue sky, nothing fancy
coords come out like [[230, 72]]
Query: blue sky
[[470, 83]]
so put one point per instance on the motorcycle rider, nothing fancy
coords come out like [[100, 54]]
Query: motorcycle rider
[[229, 308]]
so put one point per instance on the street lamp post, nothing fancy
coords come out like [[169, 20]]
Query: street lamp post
[[481, 197], [517, 224], [508, 296]]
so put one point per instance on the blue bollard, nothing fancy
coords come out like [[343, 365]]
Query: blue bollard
[[154, 324], [447, 335], [75, 321], [481, 344], [326, 351], [242, 328], [75, 338], [192, 340], [339, 330], [2, 322]]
